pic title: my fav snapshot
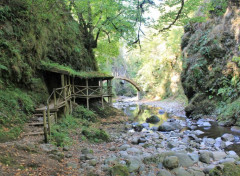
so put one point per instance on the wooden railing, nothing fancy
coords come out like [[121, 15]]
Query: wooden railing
[[61, 96]]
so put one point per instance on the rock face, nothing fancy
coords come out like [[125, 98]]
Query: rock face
[[209, 49]]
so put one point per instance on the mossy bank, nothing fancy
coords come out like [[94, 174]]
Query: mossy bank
[[30, 33], [211, 69]]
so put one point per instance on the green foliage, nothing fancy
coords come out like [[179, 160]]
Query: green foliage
[[60, 134], [229, 111], [83, 113], [15, 105], [96, 135], [230, 169]]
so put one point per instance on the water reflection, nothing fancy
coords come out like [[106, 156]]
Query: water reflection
[[139, 113]]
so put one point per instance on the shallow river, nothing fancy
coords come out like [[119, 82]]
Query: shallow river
[[139, 113]]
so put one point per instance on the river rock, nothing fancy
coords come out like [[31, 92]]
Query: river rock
[[145, 125], [164, 172], [124, 147], [219, 143], [198, 132], [227, 160], [135, 140], [227, 137], [209, 141], [86, 151], [153, 119], [218, 155], [138, 128], [207, 169], [134, 150], [184, 160], [206, 124], [123, 154], [232, 154], [194, 157], [48, 148], [154, 128], [205, 157], [135, 163], [181, 172], [161, 112], [171, 162], [169, 126], [142, 140], [235, 129]]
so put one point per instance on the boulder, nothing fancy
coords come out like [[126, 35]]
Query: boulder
[[169, 126], [153, 119], [171, 162], [205, 157], [145, 125], [219, 155], [124, 147], [227, 137], [184, 160], [161, 112]]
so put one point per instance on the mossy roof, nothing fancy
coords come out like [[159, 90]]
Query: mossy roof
[[61, 69]]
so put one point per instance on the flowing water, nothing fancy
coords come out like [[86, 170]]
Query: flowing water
[[139, 113]]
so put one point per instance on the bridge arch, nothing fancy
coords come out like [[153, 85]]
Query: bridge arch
[[139, 89]]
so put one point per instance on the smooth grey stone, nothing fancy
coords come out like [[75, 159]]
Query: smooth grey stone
[[134, 150], [164, 172], [145, 125], [181, 172], [219, 155], [124, 147], [227, 137], [171, 162], [227, 160], [86, 151], [48, 148], [194, 157], [184, 160], [205, 157], [123, 153], [135, 141]]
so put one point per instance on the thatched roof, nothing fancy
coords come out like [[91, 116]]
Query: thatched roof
[[57, 68]]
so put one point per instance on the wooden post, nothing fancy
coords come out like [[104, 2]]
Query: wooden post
[[87, 94], [49, 120], [109, 83], [62, 80], [55, 98], [45, 126], [74, 98], [101, 85]]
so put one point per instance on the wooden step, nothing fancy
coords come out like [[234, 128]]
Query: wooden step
[[34, 133], [35, 124]]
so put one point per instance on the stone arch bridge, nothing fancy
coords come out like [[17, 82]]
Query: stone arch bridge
[[139, 89]]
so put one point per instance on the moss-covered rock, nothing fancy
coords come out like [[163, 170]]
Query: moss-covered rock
[[119, 170]]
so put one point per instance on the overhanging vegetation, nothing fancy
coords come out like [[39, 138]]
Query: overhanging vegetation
[[57, 68]]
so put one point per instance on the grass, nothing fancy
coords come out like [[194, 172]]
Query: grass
[[68, 70]]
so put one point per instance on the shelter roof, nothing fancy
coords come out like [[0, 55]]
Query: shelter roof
[[66, 70]]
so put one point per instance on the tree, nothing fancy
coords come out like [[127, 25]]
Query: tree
[[111, 19]]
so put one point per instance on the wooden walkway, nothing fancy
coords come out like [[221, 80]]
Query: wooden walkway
[[65, 96]]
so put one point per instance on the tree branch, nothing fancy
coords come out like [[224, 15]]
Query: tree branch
[[175, 20]]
